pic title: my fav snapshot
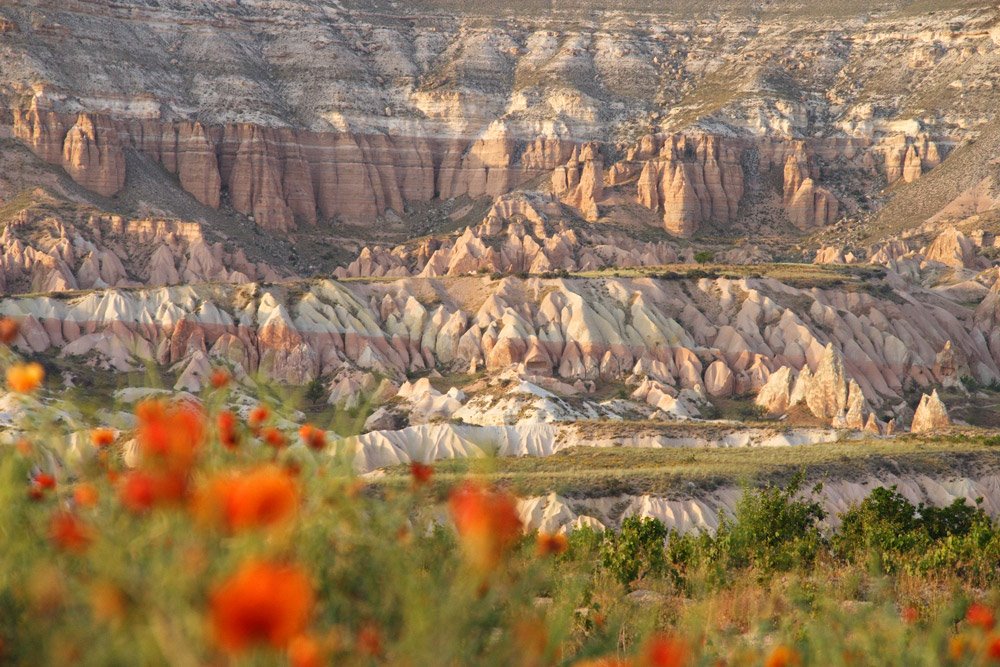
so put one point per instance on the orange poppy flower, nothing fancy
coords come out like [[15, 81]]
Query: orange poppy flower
[[8, 330], [487, 522], [44, 481], [305, 651], [85, 494], [314, 438], [140, 491], [220, 378], [551, 544], [664, 651], [102, 437], [69, 533], [258, 416], [958, 645], [262, 603], [993, 649], [783, 656], [274, 438], [259, 498], [107, 602], [169, 435], [25, 378], [228, 434], [980, 616], [910, 615], [420, 473]]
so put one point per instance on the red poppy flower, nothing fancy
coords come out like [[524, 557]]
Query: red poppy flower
[[305, 651], [783, 656], [314, 438], [169, 435], [228, 434], [993, 649], [421, 473], [85, 494], [487, 522], [258, 416], [259, 498], [261, 604], [980, 616], [551, 544], [69, 533], [664, 651], [102, 437], [45, 481], [369, 641], [8, 330], [220, 378], [274, 438]]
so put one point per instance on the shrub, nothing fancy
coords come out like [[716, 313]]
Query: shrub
[[316, 391], [704, 256], [773, 530], [636, 551], [955, 519], [882, 528]]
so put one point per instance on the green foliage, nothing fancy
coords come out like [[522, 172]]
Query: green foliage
[[889, 533], [704, 256], [773, 530], [636, 551], [880, 529], [315, 391]]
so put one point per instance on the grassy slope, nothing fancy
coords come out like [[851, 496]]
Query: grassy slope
[[592, 472]]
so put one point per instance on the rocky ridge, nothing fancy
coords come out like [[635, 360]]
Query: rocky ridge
[[713, 337]]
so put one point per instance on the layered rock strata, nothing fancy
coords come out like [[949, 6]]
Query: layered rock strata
[[729, 336]]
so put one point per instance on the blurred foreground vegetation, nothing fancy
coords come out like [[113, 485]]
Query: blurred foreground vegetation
[[206, 537]]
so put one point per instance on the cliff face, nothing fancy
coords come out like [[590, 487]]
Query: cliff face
[[299, 114], [283, 177]]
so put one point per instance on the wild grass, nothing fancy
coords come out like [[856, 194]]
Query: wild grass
[[587, 472]]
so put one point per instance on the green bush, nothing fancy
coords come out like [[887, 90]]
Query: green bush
[[879, 530], [636, 551], [774, 530], [704, 256]]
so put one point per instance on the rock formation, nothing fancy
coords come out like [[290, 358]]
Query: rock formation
[[931, 414], [691, 180]]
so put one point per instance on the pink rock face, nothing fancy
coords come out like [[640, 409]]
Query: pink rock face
[[521, 232], [692, 180], [806, 204], [908, 158], [196, 164], [86, 146], [93, 157], [36, 254], [580, 181]]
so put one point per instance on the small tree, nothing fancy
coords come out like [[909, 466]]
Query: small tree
[[704, 256], [636, 551], [773, 529], [316, 391], [882, 528]]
